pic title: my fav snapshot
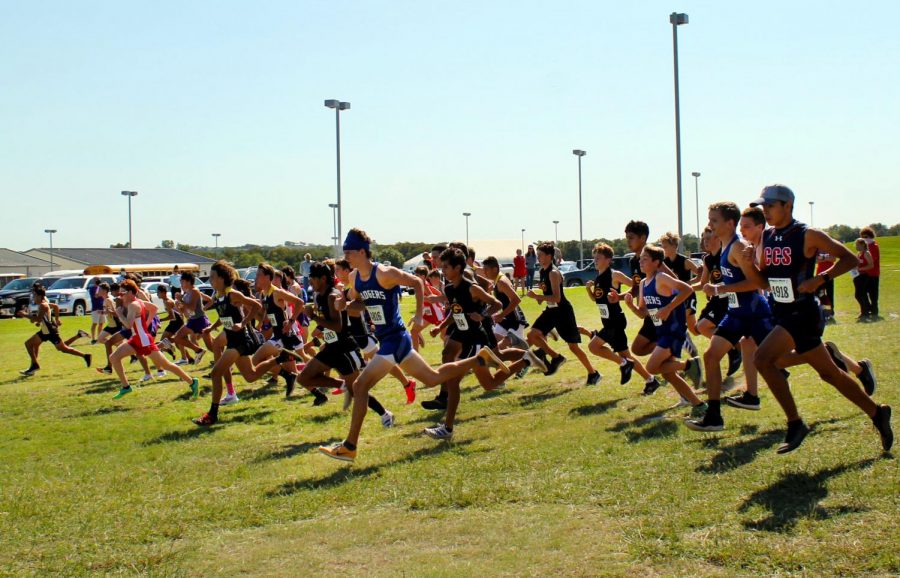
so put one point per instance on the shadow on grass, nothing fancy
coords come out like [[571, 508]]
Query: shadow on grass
[[103, 411], [740, 453], [657, 429], [181, 436], [266, 389], [433, 420], [796, 495], [533, 399], [595, 409], [320, 418], [348, 474], [101, 386], [623, 425], [290, 451]]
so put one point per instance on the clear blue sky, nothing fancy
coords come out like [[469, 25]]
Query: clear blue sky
[[213, 112]]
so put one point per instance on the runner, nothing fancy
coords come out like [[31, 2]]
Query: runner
[[685, 270], [46, 317], [138, 315], [174, 322], [558, 315], [278, 326], [192, 308], [789, 249], [376, 288], [661, 300], [509, 323], [98, 317], [748, 315]]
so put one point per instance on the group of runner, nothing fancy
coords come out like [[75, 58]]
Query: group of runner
[[761, 312]]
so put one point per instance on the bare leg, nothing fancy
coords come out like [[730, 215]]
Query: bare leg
[[538, 339], [778, 343]]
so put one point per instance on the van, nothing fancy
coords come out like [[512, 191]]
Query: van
[[71, 295]]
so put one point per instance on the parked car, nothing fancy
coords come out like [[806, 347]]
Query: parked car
[[16, 295], [205, 288], [566, 266], [151, 287], [71, 293], [579, 277]]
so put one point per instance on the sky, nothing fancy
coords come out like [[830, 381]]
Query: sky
[[213, 111]]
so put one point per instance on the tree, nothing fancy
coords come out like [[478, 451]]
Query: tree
[[119, 246], [167, 244], [389, 254]]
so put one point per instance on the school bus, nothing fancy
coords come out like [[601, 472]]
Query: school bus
[[150, 270]]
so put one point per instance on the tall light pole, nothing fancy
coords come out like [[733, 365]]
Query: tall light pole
[[216, 237], [129, 194], [556, 232], [338, 106], [811, 213], [580, 153], [334, 228], [677, 19], [467, 215], [50, 232], [696, 176], [523, 240]]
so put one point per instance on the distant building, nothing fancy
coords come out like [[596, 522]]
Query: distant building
[[15, 262], [70, 259]]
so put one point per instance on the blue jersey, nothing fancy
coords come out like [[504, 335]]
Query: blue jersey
[[383, 305], [786, 263], [744, 303], [676, 322]]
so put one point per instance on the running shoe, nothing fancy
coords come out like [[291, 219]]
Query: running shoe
[[439, 432], [181, 361], [205, 420], [290, 381], [147, 377], [682, 402], [594, 378], [524, 371], [745, 400], [835, 354], [83, 334], [651, 386], [410, 389], [160, 373], [387, 420], [339, 390], [122, 393], [339, 452], [867, 377], [199, 357], [555, 364], [437, 403], [320, 398], [734, 361], [694, 371], [698, 411], [229, 399], [490, 359], [707, 423], [133, 360], [195, 388], [626, 371], [106, 369], [796, 432], [535, 361], [882, 421], [29, 372], [272, 380]]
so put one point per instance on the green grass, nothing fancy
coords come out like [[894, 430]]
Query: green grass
[[545, 478]]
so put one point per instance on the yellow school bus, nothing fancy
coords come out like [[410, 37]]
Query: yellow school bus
[[150, 270]]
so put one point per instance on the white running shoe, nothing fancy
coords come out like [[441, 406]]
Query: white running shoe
[[161, 373], [682, 402], [199, 357], [181, 362], [83, 333], [439, 432], [147, 377], [229, 400], [387, 420], [535, 361]]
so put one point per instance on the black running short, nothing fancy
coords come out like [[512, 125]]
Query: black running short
[[562, 319], [341, 360], [714, 310], [51, 337], [615, 336], [173, 326], [803, 320]]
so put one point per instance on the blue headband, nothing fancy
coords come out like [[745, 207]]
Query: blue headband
[[355, 242]]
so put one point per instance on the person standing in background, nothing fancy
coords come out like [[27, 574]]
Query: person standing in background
[[519, 271], [868, 235], [304, 271], [531, 262]]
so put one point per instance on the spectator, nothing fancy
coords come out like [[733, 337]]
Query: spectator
[[862, 279], [531, 262], [304, 271], [557, 256], [519, 271], [174, 281], [868, 235], [426, 256]]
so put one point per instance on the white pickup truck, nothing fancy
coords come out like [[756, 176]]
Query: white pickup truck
[[71, 293]]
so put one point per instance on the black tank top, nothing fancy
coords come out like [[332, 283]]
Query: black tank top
[[357, 325], [713, 264], [462, 306], [547, 287], [787, 264], [342, 338], [503, 298], [636, 274], [229, 314], [609, 312], [275, 315], [678, 265]]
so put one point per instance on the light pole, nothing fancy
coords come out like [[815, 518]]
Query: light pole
[[811, 213], [467, 215], [523, 240], [338, 106], [556, 232], [696, 176], [129, 194], [334, 218], [50, 232], [677, 19], [216, 237], [580, 153]]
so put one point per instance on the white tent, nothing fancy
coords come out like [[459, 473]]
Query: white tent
[[503, 249]]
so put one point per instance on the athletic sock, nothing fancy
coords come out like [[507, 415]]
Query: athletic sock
[[319, 395], [714, 407], [214, 410], [376, 406], [230, 388], [349, 446]]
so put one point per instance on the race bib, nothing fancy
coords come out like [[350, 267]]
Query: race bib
[[604, 310], [654, 317], [782, 290], [461, 322], [552, 305], [733, 301], [272, 321], [330, 336], [227, 322], [854, 273], [376, 313]]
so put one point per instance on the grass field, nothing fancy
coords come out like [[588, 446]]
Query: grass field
[[546, 477]]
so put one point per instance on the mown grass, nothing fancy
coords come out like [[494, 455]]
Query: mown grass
[[547, 477]]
